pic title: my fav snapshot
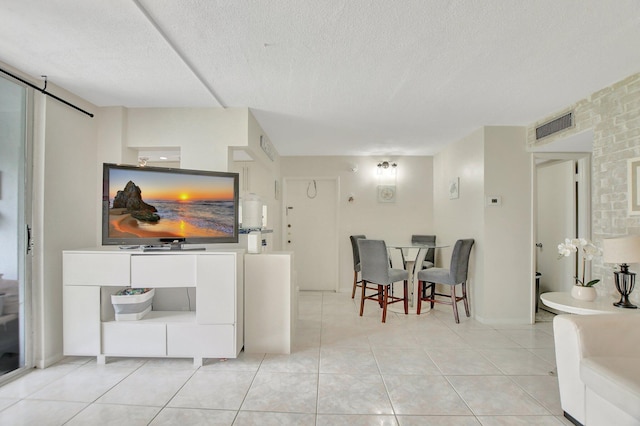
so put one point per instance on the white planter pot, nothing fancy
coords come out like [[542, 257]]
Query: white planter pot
[[587, 294]]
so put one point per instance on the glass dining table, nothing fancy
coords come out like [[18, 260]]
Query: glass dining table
[[410, 256]]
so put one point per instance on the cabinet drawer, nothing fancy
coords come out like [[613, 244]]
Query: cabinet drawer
[[160, 270], [197, 340], [130, 338], [108, 269]]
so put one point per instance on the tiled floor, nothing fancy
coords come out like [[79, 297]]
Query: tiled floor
[[345, 370]]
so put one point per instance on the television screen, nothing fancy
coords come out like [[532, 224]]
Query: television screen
[[152, 205]]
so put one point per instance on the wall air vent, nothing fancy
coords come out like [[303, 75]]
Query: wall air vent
[[554, 126]]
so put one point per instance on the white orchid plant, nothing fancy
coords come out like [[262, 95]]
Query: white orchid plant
[[587, 251]]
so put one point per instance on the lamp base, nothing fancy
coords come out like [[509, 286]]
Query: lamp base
[[624, 303], [625, 281]]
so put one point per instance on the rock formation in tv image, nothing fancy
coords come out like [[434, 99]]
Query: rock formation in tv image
[[130, 199]]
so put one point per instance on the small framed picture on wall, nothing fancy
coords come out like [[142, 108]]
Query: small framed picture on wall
[[633, 183], [454, 188]]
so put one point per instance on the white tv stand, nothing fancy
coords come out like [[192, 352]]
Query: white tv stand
[[213, 330]]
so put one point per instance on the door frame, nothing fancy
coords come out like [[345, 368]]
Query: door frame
[[335, 233], [583, 208], [25, 239]]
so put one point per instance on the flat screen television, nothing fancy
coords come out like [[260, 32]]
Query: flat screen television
[[156, 205]]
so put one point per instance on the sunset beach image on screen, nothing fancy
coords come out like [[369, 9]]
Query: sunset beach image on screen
[[169, 204]]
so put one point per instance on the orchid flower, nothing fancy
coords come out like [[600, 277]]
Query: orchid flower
[[587, 251]]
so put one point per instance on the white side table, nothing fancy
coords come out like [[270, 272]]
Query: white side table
[[563, 301]]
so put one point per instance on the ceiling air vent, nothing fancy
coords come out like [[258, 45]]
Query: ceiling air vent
[[554, 126]]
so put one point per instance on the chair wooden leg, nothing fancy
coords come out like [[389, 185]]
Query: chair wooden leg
[[380, 295], [385, 300], [454, 303], [421, 290], [464, 298], [406, 298], [433, 294], [355, 283], [364, 287]]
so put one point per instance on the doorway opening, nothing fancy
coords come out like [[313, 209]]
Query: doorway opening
[[561, 209]]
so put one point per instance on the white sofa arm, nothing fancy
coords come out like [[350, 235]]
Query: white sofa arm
[[580, 336]]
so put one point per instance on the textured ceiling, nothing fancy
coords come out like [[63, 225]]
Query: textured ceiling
[[332, 77]]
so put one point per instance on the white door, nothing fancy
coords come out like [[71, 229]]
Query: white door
[[311, 229], [556, 193]]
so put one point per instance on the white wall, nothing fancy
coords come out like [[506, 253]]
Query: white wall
[[65, 208], [202, 134], [263, 175], [492, 161], [412, 213], [463, 217], [508, 283]]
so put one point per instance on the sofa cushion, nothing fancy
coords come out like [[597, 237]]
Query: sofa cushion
[[616, 379]]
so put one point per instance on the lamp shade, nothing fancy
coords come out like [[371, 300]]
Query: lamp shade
[[621, 250]]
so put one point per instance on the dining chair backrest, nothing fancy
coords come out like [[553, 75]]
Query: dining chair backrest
[[354, 248], [374, 261], [426, 239], [460, 260]]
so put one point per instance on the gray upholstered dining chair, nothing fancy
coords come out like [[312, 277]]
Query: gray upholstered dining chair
[[378, 276], [356, 261], [456, 274], [429, 259]]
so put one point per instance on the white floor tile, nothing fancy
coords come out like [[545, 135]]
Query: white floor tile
[[405, 361], [355, 420], [462, 361], [150, 386], [85, 384], [514, 361], [261, 418], [41, 413], [220, 390], [352, 394], [285, 392], [519, 420], [193, 417], [116, 415], [424, 395], [438, 421], [495, 395]]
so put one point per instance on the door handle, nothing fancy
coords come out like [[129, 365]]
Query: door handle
[[29, 240], [539, 245]]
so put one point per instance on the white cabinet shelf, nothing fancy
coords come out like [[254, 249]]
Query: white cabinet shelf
[[213, 330]]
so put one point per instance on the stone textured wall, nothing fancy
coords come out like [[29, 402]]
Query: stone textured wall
[[614, 115]]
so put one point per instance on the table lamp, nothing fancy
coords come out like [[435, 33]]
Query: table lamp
[[623, 251]]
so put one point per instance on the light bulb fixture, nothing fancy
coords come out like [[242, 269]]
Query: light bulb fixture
[[386, 167]]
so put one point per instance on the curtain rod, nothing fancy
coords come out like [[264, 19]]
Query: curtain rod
[[44, 91]]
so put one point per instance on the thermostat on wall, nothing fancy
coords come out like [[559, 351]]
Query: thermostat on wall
[[494, 200]]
